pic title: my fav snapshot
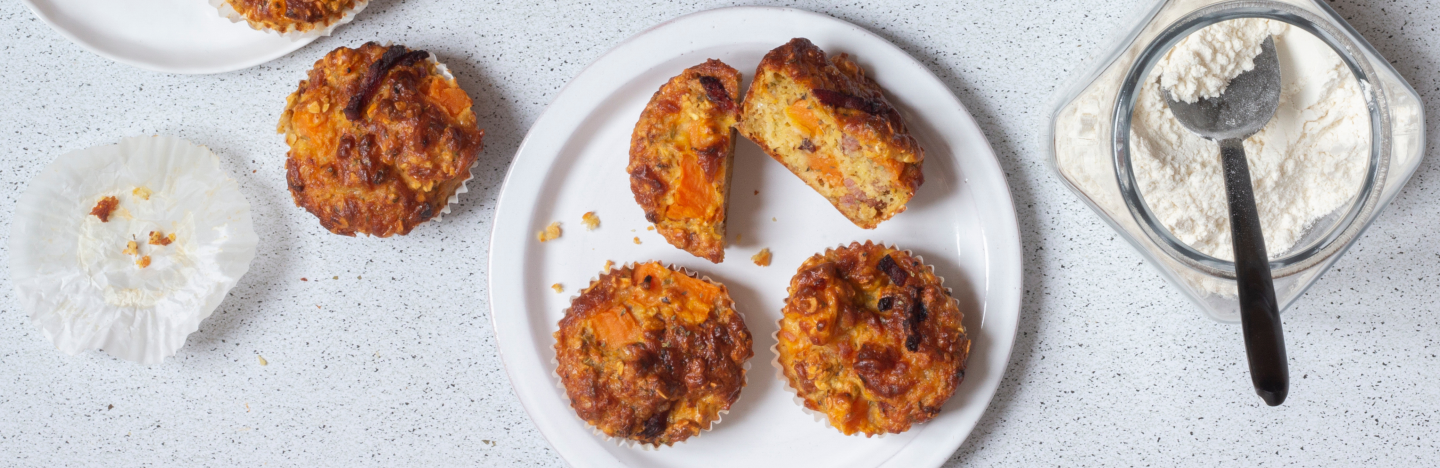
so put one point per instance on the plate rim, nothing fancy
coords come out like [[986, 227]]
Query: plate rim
[[1009, 253], [94, 49]]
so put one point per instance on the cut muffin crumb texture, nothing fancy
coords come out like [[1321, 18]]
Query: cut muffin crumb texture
[[608, 266], [590, 220], [762, 258], [550, 233]]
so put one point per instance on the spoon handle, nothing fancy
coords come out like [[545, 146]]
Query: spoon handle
[[1259, 314]]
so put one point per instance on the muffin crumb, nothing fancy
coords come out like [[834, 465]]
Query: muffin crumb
[[132, 248], [550, 233], [156, 238], [143, 262], [637, 240], [558, 288], [142, 192], [262, 360], [104, 208], [590, 220], [649, 228], [762, 258]]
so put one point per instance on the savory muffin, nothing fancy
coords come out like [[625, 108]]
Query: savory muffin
[[380, 137], [680, 157], [832, 126], [650, 354], [871, 339], [297, 16]]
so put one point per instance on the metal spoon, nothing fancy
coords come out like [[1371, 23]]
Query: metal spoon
[[1243, 109]]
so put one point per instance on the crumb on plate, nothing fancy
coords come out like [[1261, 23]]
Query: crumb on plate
[[637, 240], [590, 220], [558, 287], [762, 258], [649, 228], [104, 207], [142, 192], [550, 233], [132, 248], [143, 262]]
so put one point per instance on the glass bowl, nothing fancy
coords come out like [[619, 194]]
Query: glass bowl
[[1089, 142]]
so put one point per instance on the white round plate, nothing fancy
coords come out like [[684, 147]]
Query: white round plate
[[962, 221], [172, 36]]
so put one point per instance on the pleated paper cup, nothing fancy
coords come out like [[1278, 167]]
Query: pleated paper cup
[[72, 272], [629, 443], [228, 12]]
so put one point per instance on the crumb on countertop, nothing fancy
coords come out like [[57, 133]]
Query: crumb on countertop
[[304, 279], [143, 262], [590, 220], [142, 192], [550, 233], [263, 362], [104, 207], [762, 258], [156, 238], [558, 287], [637, 240], [132, 248], [757, 192]]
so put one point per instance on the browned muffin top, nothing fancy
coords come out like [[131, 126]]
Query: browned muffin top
[[870, 338], [652, 355], [379, 140]]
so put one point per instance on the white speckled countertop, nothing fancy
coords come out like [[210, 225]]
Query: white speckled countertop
[[386, 356]]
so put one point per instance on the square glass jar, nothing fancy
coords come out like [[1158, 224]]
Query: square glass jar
[[1088, 138]]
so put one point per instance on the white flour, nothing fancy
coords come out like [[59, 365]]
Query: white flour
[[1307, 162]]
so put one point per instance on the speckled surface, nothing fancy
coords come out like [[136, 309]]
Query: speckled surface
[[386, 355]]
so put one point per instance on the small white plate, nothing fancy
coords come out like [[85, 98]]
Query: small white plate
[[573, 161], [172, 36]]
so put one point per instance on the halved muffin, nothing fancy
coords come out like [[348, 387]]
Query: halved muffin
[[871, 339], [680, 157], [832, 126], [380, 139], [652, 354]]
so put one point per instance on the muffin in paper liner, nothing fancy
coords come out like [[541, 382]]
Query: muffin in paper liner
[[73, 274], [963, 344], [229, 12], [301, 106], [627, 269]]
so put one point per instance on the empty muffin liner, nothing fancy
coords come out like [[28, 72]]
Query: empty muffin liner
[[780, 370], [628, 443], [72, 273], [228, 12]]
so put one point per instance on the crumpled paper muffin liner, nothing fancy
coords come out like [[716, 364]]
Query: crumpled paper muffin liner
[[70, 270], [628, 443], [228, 12], [780, 370]]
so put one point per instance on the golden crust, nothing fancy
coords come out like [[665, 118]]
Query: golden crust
[[832, 126], [681, 154], [398, 162], [292, 15], [652, 355], [870, 338]]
